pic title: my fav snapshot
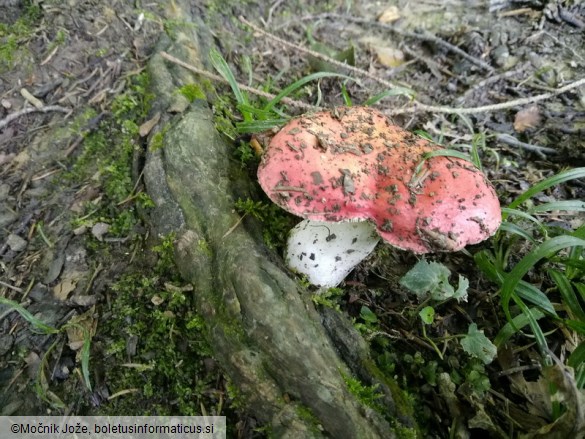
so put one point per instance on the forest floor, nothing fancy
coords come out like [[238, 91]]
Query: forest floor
[[122, 336]]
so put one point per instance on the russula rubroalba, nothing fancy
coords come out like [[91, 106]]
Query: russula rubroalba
[[352, 164], [326, 252]]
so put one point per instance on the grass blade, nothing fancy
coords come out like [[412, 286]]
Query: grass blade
[[256, 126], [220, 64], [571, 205], [527, 262], [36, 323], [345, 95], [511, 328], [521, 214], [298, 84], [568, 294], [441, 153], [513, 229], [577, 357], [532, 294], [545, 184], [538, 334]]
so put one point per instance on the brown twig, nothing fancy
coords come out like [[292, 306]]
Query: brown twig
[[269, 96], [13, 116], [512, 141], [417, 106]]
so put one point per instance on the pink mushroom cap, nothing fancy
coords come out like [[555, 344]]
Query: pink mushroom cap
[[353, 164]]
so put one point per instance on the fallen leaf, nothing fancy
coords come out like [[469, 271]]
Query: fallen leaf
[[157, 300], [62, 290], [389, 15], [386, 55], [147, 126], [80, 327], [527, 118], [99, 230], [346, 56]]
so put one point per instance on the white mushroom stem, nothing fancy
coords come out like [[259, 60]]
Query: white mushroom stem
[[326, 252]]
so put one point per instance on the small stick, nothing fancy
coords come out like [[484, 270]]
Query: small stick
[[417, 106], [13, 116], [12, 287], [512, 141]]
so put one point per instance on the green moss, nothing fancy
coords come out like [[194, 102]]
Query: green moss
[[329, 298], [310, 419], [157, 140], [367, 395], [204, 247], [170, 350], [167, 368], [192, 92], [14, 36], [106, 158], [277, 222]]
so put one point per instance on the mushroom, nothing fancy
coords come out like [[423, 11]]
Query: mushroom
[[352, 164], [326, 252]]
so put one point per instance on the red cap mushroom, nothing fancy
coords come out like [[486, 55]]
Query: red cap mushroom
[[353, 164]]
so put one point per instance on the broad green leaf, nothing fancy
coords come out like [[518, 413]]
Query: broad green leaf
[[426, 277], [432, 279], [367, 315], [427, 314], [476, 344], [462, 286]]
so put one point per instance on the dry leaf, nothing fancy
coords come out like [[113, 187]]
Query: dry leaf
[[157, 300], [80, 327], [147, 126], [386, 55], [389, 15], [389, 57], [99, 230], [527, 118], [62, 290]]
